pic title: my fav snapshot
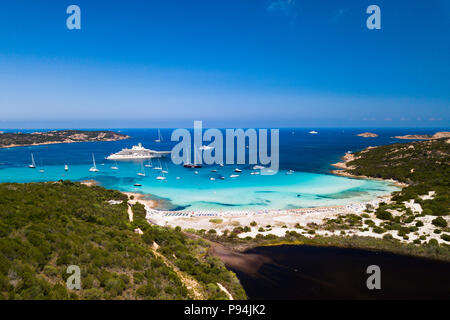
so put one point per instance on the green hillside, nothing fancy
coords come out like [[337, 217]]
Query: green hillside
[[45, 227], [424, 165]]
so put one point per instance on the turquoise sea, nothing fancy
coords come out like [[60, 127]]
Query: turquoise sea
[[308, 155]]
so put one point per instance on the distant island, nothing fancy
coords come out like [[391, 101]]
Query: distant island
[[19, 139], [367, 135], [437, 135]]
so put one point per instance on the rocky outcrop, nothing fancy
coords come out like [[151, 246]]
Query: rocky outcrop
[[367, 135], [437, 135]]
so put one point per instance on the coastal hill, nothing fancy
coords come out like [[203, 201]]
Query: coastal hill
[[367, 135], [412, 221], [423, 165], [437, 135], [46, 227], [9, 140]]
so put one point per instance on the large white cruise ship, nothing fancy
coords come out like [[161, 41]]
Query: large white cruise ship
[[137, 152]]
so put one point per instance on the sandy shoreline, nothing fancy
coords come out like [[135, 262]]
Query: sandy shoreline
[[278, 222], [142, 198]]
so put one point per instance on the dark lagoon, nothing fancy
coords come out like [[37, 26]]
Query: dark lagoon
[[308, 272]]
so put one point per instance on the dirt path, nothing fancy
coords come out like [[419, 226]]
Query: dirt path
[[191, 284], [221, 287], [130, 211]]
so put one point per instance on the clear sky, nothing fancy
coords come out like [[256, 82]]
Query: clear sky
[[267, 63]]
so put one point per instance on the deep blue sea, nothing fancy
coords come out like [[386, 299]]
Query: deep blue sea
[[309, 155]]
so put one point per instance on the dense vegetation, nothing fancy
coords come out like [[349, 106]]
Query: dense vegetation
[[423, 165], [431, 249], [45, 227], [25, 139]]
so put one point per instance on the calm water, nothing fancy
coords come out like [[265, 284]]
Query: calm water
[[307, 272], [309, 155]]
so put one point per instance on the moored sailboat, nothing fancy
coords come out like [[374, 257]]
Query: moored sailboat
[[94, 166], [33, 164], [159, 136]]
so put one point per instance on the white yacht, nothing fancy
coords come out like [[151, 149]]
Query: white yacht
[[115, 167], [166, 170], [257, 167], [161, 177], [66, 168], [313, 132], [137, 152], [234, 176], [159, 166], [149, 164], [290, 172], [94, 167], [237, 170]]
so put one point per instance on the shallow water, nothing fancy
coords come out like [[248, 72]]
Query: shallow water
[[309, 155]]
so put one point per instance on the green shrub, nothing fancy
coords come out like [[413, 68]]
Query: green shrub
[[384, 215], [439, 222], [388, 236], [378, 230]]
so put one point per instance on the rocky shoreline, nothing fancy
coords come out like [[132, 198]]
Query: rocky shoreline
[[437, 135], [19, 139], [343, 166]]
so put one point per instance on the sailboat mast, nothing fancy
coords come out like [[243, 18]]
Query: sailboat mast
[[195, 154]]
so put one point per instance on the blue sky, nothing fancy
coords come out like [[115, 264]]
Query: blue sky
[[229, 63]]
